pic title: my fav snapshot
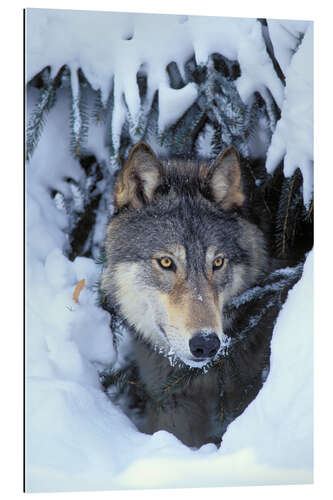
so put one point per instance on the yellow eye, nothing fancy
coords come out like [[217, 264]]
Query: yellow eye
[[165, 262], [218, 263]]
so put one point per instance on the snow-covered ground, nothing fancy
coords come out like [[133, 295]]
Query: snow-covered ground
[[76, 439]]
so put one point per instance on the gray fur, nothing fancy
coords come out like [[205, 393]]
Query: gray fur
[[181, 210], [193, 413]]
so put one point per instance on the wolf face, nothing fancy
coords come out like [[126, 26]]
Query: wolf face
[[178, 250]]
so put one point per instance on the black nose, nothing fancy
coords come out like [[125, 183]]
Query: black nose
[[203, 345]]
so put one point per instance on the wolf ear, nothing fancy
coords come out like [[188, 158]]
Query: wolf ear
[[224, 180], [138, 179]]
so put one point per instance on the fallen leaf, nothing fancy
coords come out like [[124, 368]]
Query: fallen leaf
[[78, 289]]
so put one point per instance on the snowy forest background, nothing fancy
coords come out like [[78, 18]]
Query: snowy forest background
[[97, 83]]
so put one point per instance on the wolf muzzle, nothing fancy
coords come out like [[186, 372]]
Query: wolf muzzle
[[203, 345]]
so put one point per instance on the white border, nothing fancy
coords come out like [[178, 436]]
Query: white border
[[12, 242]]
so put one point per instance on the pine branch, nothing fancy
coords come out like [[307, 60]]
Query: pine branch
[[121, 377], [47, 100], [136, 127], [285, 223], [37, 118], [98, 112], [288, 212], [79, 118], [114, 157], [309, 213]]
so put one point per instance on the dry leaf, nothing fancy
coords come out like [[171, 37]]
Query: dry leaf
[[78, 289]]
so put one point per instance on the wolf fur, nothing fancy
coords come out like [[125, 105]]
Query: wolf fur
[[178, 250]]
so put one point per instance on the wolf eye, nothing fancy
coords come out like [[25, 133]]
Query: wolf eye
[[166, 263], [218, 263]]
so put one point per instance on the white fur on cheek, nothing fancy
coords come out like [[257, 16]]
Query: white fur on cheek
[[138, 302]]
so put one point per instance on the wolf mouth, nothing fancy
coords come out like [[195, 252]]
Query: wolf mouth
[[196, 361]]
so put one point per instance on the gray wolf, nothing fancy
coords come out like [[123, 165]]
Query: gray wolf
[[178, 250]]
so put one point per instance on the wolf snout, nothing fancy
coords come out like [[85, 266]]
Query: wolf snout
[[203, 345]]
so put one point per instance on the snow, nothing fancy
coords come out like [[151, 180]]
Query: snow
[[173, 103], [105, 54], [58, 270], [204, 143], [252, 55], [285, 37], [76, 438], [112, 47], [291, 382], [293, 136]]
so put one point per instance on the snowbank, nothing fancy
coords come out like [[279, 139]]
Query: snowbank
[[282, 413], [76, 438]]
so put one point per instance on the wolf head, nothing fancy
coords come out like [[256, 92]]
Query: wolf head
[[178, 250]]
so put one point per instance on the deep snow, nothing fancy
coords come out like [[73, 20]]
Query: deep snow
[[76, 439]]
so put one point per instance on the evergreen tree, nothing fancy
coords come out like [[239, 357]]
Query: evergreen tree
[[217, 119]]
